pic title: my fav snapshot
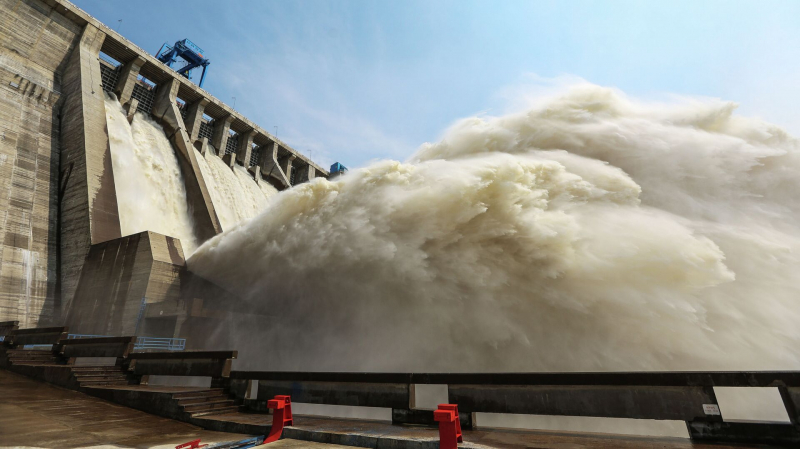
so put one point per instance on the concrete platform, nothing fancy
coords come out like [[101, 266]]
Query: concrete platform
[[36, 414]]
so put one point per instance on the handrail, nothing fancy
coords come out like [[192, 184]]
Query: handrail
[[170, 344], [165, 343]]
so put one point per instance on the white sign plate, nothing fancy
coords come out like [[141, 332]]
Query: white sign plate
[[711, 409]]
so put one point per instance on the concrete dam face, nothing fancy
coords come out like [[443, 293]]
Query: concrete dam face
[[113, 170]]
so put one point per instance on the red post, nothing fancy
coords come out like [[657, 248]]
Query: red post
[[194, 444], [281, 408], [449, 426]]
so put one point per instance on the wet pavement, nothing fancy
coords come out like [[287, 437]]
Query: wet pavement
[[36, 414]]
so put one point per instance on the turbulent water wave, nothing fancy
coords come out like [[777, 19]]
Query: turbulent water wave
[[235, 195], [590, 232], [151, 195]]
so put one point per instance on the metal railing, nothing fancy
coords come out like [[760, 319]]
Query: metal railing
[[167, 344]]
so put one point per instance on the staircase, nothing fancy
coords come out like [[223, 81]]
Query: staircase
[[33, 357], [100, 376], [213, 401]]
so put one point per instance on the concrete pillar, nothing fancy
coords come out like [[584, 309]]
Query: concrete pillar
[[268, 158], [165, 110], [131, 109], [88, 202], [305, 173], [204, 146], [270, 169], [128, 75], [245, 147], [286, 165], [255, 170], [229, 159], [222, 129], [194, 117]]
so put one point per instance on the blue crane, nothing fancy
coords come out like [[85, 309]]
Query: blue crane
[[189, 52]]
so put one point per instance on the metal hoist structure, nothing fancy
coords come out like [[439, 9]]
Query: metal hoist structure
[[190, 53]]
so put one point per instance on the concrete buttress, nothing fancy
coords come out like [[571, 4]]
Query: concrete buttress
[[89, 213], [165, 109]]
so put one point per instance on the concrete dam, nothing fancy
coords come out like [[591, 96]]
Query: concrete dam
[[113, 169], [594, 256]]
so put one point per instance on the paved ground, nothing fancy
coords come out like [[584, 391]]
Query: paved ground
[[35, 414]]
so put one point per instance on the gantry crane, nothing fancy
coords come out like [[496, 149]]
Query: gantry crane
[[189, 52]]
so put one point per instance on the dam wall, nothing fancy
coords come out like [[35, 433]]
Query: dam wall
[[59, 206], [35, 44]]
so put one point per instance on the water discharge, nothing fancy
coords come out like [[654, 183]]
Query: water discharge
[[235, 194], [590, 232], [151, 194], [150, 189]]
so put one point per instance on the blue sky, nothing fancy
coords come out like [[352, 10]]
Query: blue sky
[[358, 80]]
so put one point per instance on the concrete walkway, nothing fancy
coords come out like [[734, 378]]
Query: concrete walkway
[[36, 414]]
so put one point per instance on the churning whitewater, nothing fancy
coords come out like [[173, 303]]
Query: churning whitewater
[[235, 195], [590, 232], [151, 195]]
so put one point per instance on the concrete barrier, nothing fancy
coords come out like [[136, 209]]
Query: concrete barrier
[[685, 396], [40, 336], [97, 347], [215, 364], [6, 327]]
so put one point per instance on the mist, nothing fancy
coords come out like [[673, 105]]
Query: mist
[[590, 232]]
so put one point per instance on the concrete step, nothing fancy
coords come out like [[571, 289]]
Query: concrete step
[[119, 376], [198, 393], [22, 359], [202, 399], [97, 372], [218, 411], [29, 351], [96, 368], [102, 383], [31, 356], [211, 405], [35, 363]]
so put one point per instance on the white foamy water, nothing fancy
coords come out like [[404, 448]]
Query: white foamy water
[[151, 195], [591, 232], [235, 194]]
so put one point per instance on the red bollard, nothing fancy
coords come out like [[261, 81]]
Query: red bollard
[[194, 444], [281, 408], [449, 426]]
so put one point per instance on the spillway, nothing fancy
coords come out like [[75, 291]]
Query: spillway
[[236, 195], [150, 186]]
